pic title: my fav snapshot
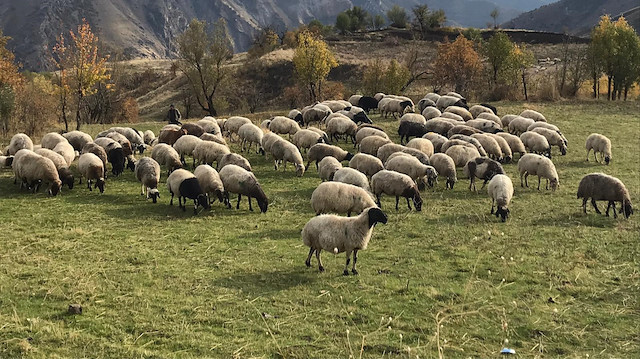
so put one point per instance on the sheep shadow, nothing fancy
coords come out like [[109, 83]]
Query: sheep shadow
[[259, 283], [578, 218]]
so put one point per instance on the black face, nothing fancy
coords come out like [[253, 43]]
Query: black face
[[8, 161], [628, 210], [141, 148], [100, 185], [131, 165], [263, 205], [376, 216], [508, 159], [450, 183], [430, 181], [154, 196], [563, 151], [55, 189], [607, 159], [220, 196], [68, 180], [405, 104], [298, 119], [417, 201], [362, 117], [503, 213], [203, 201], [348, 157]]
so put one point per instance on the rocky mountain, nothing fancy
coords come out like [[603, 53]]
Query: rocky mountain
[[147, 28]]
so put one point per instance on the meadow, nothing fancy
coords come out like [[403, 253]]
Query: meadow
[[450, 281]]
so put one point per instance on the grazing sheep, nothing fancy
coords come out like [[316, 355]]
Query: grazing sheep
[[306, 138], [379, 96], [371, 144], [170, 136], [491, 117], [452, 116], [209, 152], [315, 114], [367, 103], [485, 125], [251, 134], [413, 168], [491, 107], [354, 99], [193, 129], [424, 103], [18, 142], [268, 140], [33, 170], [283, 125], [500, 190], [356, 114], [553, 137], [439, 125], [338, 197], [475, 110], [413, 117], [432, 96], [210, 182], [124, 143], [515, 143], [460, 111], [436, 139], [396, 184], [51, 139], [455, 94], [234, 159], [395, 107], [90, 167], [335, 105], [533, 164], [421, 144], [185, 146], [599, 144], [431, 112], [341, 125], [445, 167], [462, 130], [78, 139], [296, 116], [469, 139], [602, 187], [536, 143], [482, 168], [132, 135], [97, 150], [328, 167], [506, 119], [385, 151], [458, 142], [209, 125], [66, 150], [6, 161], [149, 136], [64, 173], [221, 122], [341, 234], [462, 154], [148, 173], [507, 155], [233, 124], [320, 132], [534, 115], [285, 151], [364, 132], [352, 176], [170, 127], [519, 125], [367, 164], [490, 145], [167, 156], [213, 138], [238, 180], [446, 101], [320, 150], [409, 129], [184, 184]]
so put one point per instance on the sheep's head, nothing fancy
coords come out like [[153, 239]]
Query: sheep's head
[[627, 208], [554, 183], [263, 203], [348, 157], [131, 164], [563, 150], [376, 216], [55, 187], [154, 194], [100, 185], [450, 182], [203, 201], [503, 213], [299, 169], [607, 159], [507, 159], [417, 201]]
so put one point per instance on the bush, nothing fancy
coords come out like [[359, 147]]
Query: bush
[[128, 111], [397, 16]]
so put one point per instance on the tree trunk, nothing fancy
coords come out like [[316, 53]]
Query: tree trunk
[[524, 85], [595, 87], [626, 89], [609, 88], [78, 121], [211, 109]]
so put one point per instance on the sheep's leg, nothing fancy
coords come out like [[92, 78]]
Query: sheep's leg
[[142, 190], [346, 266], [397, 199], [484, 184], [227, 201], [408, 203], [275, 164], [608, 207], [526, 179], [378, 201], [492, 204], [539, 183], [595, 206], [317, 165], [615, 214], [238, 205], [308, 261], [182, 205], [320, 267], [349, 214], [355, 260], [250, 208], [89, 185], [584, 205], [588, 151], [307, 166], [521, 182], [284, 166], [171, 202]]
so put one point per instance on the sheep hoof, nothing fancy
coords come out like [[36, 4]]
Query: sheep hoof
[[346, 272], [355, 272], [307, 263], [321, 269]]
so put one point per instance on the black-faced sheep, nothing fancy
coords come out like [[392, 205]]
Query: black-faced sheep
[[328, 167], [91, 168], [500, 190], [602, 187], [285, 151], [65, 174], [210, 182], [320, 150], [209, 152], [33, 170], [367, 164], [413, 168], [445, 167], [233, 124], [306, 138], [148, 173], [185, 145], [599, 144], [396, 184], [533, 164], [536, 143], [167, 156], [553, 137], [251, 134], [184, 184], [482, 168]]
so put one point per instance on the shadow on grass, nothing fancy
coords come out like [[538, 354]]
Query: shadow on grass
[[267, 282], [591, 219]]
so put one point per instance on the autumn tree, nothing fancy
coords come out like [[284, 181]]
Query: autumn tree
[[312, 61], [203, 58], [603, 43], [518, 61], [389, 77], [497, 50], [265, 41], [457, 64], [10, 81]]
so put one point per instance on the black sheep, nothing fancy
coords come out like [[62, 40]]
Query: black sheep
[[411, 129], [368, 103]]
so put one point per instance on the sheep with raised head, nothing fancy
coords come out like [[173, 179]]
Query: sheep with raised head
[[65, 174], [482, 168], [18, 142], [534, 115], [533, 164], [500, 190], [536, 143], [251, 134], [236, 179], [328, 167], [166, 156], [33, 170], [413, 168], [284, 151], [445, 167], [210, 182], [367, 164], [462, 154], [553, 137], [514, 142], [352, 176], [77, 139], [342, 198], [209, 152], [185, 145], [148, 173], [602, 187], [184, 184], [320, 150], [599, 144], [234, 159], [396, 184], [91, 168]]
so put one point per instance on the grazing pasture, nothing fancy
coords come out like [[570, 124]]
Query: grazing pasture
[[452, 280]]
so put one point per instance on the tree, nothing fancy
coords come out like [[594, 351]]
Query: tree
[[397, 17], [265, 41], [396, 77], [378, 22], [602, 38], [358, 18], [425, 19], [497, 50], [10, 81], [457, 64], [312, 61], [494, 15], [203, 57], [519, 60], [627, 60], [343, 23]]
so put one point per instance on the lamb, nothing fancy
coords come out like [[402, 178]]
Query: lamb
[[533, 164], [352, 176], [519, 125], [251, 134], [234, 159], [77, 139], [193, 129], [396, 184], [97, 150], [431, 112], [339, 234], [463, 130], [409, 129], [208, 152], [321, 150], [553, 137], [602, 187], [462, 154], [306, 138], [210, 182], [490, 145], [282, 125], [66, 150], [421, 144], [341, 125], [184, 184], [436, 139], [413, 168], [91, 168], [515, 143], [369, 131], [340, 198], [148, 173], [209, 125], [296, 116], [167, 156], [534, 115], [238, 180], [485, 125], [491, 117], [33, 169], [149, 136], [445, 167], [51, 139], [18, 142], [285, 151], [468, 139], [536, 143], [500, 190], [170, 136], [599, 144], [64, 173], [507, 155], [328, 167], [475, 110], [460, 111], [367, 164], [233, 124], [439, 125], [185, 145], [482, 168]]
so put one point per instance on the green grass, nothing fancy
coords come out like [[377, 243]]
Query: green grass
[[159, 283]]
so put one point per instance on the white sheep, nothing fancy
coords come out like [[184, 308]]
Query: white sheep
[[371, 144], [184, 184], [167, 156], [327, 167], [515, 143], [51, 139], [439, 125], [507, 154], [490, 145], [340, 198], [533, 164], [306, 138], [431, 112], [367, 164], [341, 234], [238, 180], [233, 124], [364, 132], [445, 167], [475, 110], [455, 117], [185, 145], [491, 117], [209, 152], [250, 134], [315, 114], [352, 176], [268, 140], [209, 125], [213, 138], [285, 151], [210, 182], [413, 117], [506, 119], [534, 115], [283, 125], [485, 125], [91, 168], [148, 137], [234, 159], [77, 139], [148, 173], [463, 130], [471, 140], [33, 170], [500, 191], [413, 168], [536, 143], [519, 125], [320, 150], [446, 101], [553, 137], [354, 99], [436, 139], [341, 125], [462, 154], [599, 144], [396, 184], [602, 187], [65, 174], [18, 142], [460, 111], [66, 150]]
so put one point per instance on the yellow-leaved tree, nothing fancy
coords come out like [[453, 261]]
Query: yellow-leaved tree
[[312, 61]]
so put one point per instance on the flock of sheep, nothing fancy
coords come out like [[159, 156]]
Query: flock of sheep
[[438, 136]]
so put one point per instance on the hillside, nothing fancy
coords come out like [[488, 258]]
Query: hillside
[[147, 28], [575, 16]]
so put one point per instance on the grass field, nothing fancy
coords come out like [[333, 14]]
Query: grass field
[[453, 280]]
